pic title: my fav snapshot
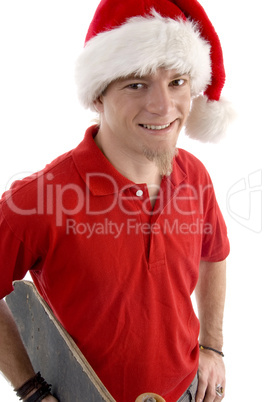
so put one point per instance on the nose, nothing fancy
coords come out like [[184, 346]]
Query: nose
[[159, 100]]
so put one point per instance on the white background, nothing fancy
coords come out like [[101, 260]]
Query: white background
[[41, 118]]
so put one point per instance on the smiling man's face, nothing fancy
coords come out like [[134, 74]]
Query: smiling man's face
[[143, 116]]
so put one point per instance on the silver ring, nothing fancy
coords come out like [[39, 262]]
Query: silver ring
[[219, 390]]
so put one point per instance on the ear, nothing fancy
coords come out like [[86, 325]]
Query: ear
[[99, 105]]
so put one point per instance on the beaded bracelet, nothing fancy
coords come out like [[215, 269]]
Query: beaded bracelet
[[36, 382], [201, 347]]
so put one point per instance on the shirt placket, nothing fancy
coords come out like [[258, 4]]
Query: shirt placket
[[162, 210], [139, 223], [149, 228]]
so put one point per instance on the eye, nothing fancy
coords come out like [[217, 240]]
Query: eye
[[178, 83], [136, 86]]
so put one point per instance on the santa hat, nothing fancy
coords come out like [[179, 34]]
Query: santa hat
[[139, 36]]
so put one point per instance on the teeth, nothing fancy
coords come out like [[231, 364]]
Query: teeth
[[155, 127]]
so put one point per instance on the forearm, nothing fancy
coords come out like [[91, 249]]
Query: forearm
[[210, 296], [14, 361]]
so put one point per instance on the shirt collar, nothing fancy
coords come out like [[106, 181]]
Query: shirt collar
[[100, 175]]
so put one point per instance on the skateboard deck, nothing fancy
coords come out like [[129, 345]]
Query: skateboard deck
[[51, 349], [54, 353]]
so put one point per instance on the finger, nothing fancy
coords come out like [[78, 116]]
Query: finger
[[211, 395], [220, 397], [201, 391]]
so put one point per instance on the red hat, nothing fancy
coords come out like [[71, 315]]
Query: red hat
[[139, 36]]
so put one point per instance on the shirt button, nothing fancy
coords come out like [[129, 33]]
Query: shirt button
[[139, 193]]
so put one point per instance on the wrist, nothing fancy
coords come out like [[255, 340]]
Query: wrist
[[211, 349], [213, 340], [35, 389], [30, 394], [39, 394]]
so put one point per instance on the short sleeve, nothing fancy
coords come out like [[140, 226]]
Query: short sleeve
[[15, 258], [215, 245]]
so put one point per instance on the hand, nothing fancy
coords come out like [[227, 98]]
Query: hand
[[50, 398], [211, 373]]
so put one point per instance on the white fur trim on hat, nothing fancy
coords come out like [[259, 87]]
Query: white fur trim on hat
[[208, 120], [140, 46]]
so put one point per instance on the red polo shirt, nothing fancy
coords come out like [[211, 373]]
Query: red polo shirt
[[117, 274]]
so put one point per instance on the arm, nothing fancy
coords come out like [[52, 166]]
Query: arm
[[14, 361], [210, 297]]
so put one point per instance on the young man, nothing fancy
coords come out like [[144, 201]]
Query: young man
[[118, 232]]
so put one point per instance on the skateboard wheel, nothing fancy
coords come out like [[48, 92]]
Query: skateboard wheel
[[149, 397]]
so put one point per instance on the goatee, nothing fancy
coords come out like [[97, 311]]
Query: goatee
[[163, 159]]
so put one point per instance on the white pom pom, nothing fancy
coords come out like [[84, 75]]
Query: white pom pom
[[208, 120]]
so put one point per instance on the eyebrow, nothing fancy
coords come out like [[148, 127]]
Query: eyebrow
[[133, 77], [147, 76], [177, 75]]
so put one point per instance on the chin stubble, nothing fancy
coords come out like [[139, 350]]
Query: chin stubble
[[163, 159]]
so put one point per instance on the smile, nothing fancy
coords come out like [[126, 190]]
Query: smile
[[152, 127]]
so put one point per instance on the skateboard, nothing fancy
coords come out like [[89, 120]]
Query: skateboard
[[52, 350], [54, 353]]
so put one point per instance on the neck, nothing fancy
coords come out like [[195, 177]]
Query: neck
[[136, 168]]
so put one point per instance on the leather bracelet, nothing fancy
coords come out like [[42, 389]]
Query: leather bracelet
[[37, 382], [40, 394], [28, 386], [201, 347]]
